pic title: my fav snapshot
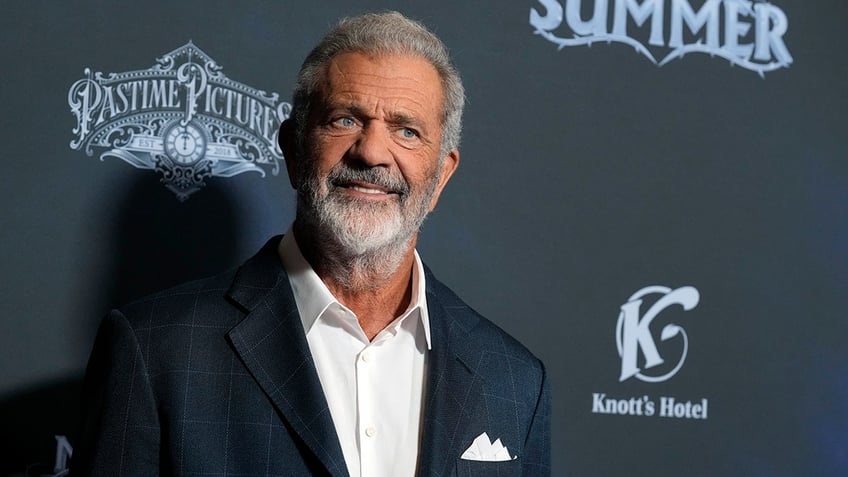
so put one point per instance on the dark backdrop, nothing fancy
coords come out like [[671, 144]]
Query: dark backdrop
[[587, 174]]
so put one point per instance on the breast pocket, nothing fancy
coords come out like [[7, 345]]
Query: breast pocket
[[507, 468]]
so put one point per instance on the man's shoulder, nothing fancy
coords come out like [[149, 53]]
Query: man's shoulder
[[192, 299], [214, 300], [476, 329]]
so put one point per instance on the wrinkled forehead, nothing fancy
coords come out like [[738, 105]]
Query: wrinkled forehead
[[396, 83], [371, 68]]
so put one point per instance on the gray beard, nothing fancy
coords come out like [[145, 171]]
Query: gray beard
[[360, 243]]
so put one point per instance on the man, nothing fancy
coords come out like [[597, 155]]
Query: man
[[333, 351]]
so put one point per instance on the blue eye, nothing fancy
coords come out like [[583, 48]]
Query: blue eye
[[346, 122], [408, 133]]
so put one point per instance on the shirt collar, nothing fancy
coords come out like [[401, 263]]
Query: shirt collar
[[313, 297]]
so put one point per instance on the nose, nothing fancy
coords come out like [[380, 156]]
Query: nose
[[371, 147]]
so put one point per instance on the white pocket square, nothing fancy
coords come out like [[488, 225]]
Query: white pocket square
[[483, 449]]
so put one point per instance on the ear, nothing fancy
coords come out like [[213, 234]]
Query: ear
[[449, 164], [287, 138]]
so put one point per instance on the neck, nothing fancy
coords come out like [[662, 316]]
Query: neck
[[376, 286]]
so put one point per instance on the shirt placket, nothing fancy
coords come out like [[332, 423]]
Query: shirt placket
[[367, 428]]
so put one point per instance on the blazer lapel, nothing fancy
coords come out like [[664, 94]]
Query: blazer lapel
[[454, 390], [272, 345]]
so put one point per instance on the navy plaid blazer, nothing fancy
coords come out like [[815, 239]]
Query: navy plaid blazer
[[215, 377]]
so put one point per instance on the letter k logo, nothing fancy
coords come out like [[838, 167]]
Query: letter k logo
[[633, 331]]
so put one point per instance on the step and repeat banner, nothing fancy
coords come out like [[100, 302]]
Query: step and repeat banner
[[653, 197]]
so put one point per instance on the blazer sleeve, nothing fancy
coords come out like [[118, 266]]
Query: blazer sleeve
[[120, 429], [537, 447]]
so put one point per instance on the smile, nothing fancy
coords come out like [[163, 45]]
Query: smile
[[368, 190], [363, 188]]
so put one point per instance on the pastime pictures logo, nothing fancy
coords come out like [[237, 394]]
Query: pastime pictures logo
[[745, 33], [182, 118], [635, 337]]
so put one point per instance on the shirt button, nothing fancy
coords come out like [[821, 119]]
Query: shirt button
[[370, 432], [366, 356]]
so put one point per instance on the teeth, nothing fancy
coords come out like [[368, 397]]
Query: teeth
[[366, 190]]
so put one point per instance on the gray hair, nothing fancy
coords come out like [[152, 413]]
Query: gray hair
[[380, 33]]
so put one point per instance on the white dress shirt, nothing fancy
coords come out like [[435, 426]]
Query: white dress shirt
[[374, 388]]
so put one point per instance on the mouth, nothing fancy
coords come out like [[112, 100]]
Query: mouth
[[366, 189]]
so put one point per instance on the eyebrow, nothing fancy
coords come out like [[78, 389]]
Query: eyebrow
[[406, 120]]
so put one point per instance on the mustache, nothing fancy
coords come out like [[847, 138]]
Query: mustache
[[343, 175]]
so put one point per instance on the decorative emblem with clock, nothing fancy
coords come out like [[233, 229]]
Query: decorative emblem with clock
[[182, 118]]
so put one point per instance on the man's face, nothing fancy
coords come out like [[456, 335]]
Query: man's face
[[370, 169]]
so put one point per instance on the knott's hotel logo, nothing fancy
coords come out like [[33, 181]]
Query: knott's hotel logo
[[745, 33], [182, 118], [652, 357]]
